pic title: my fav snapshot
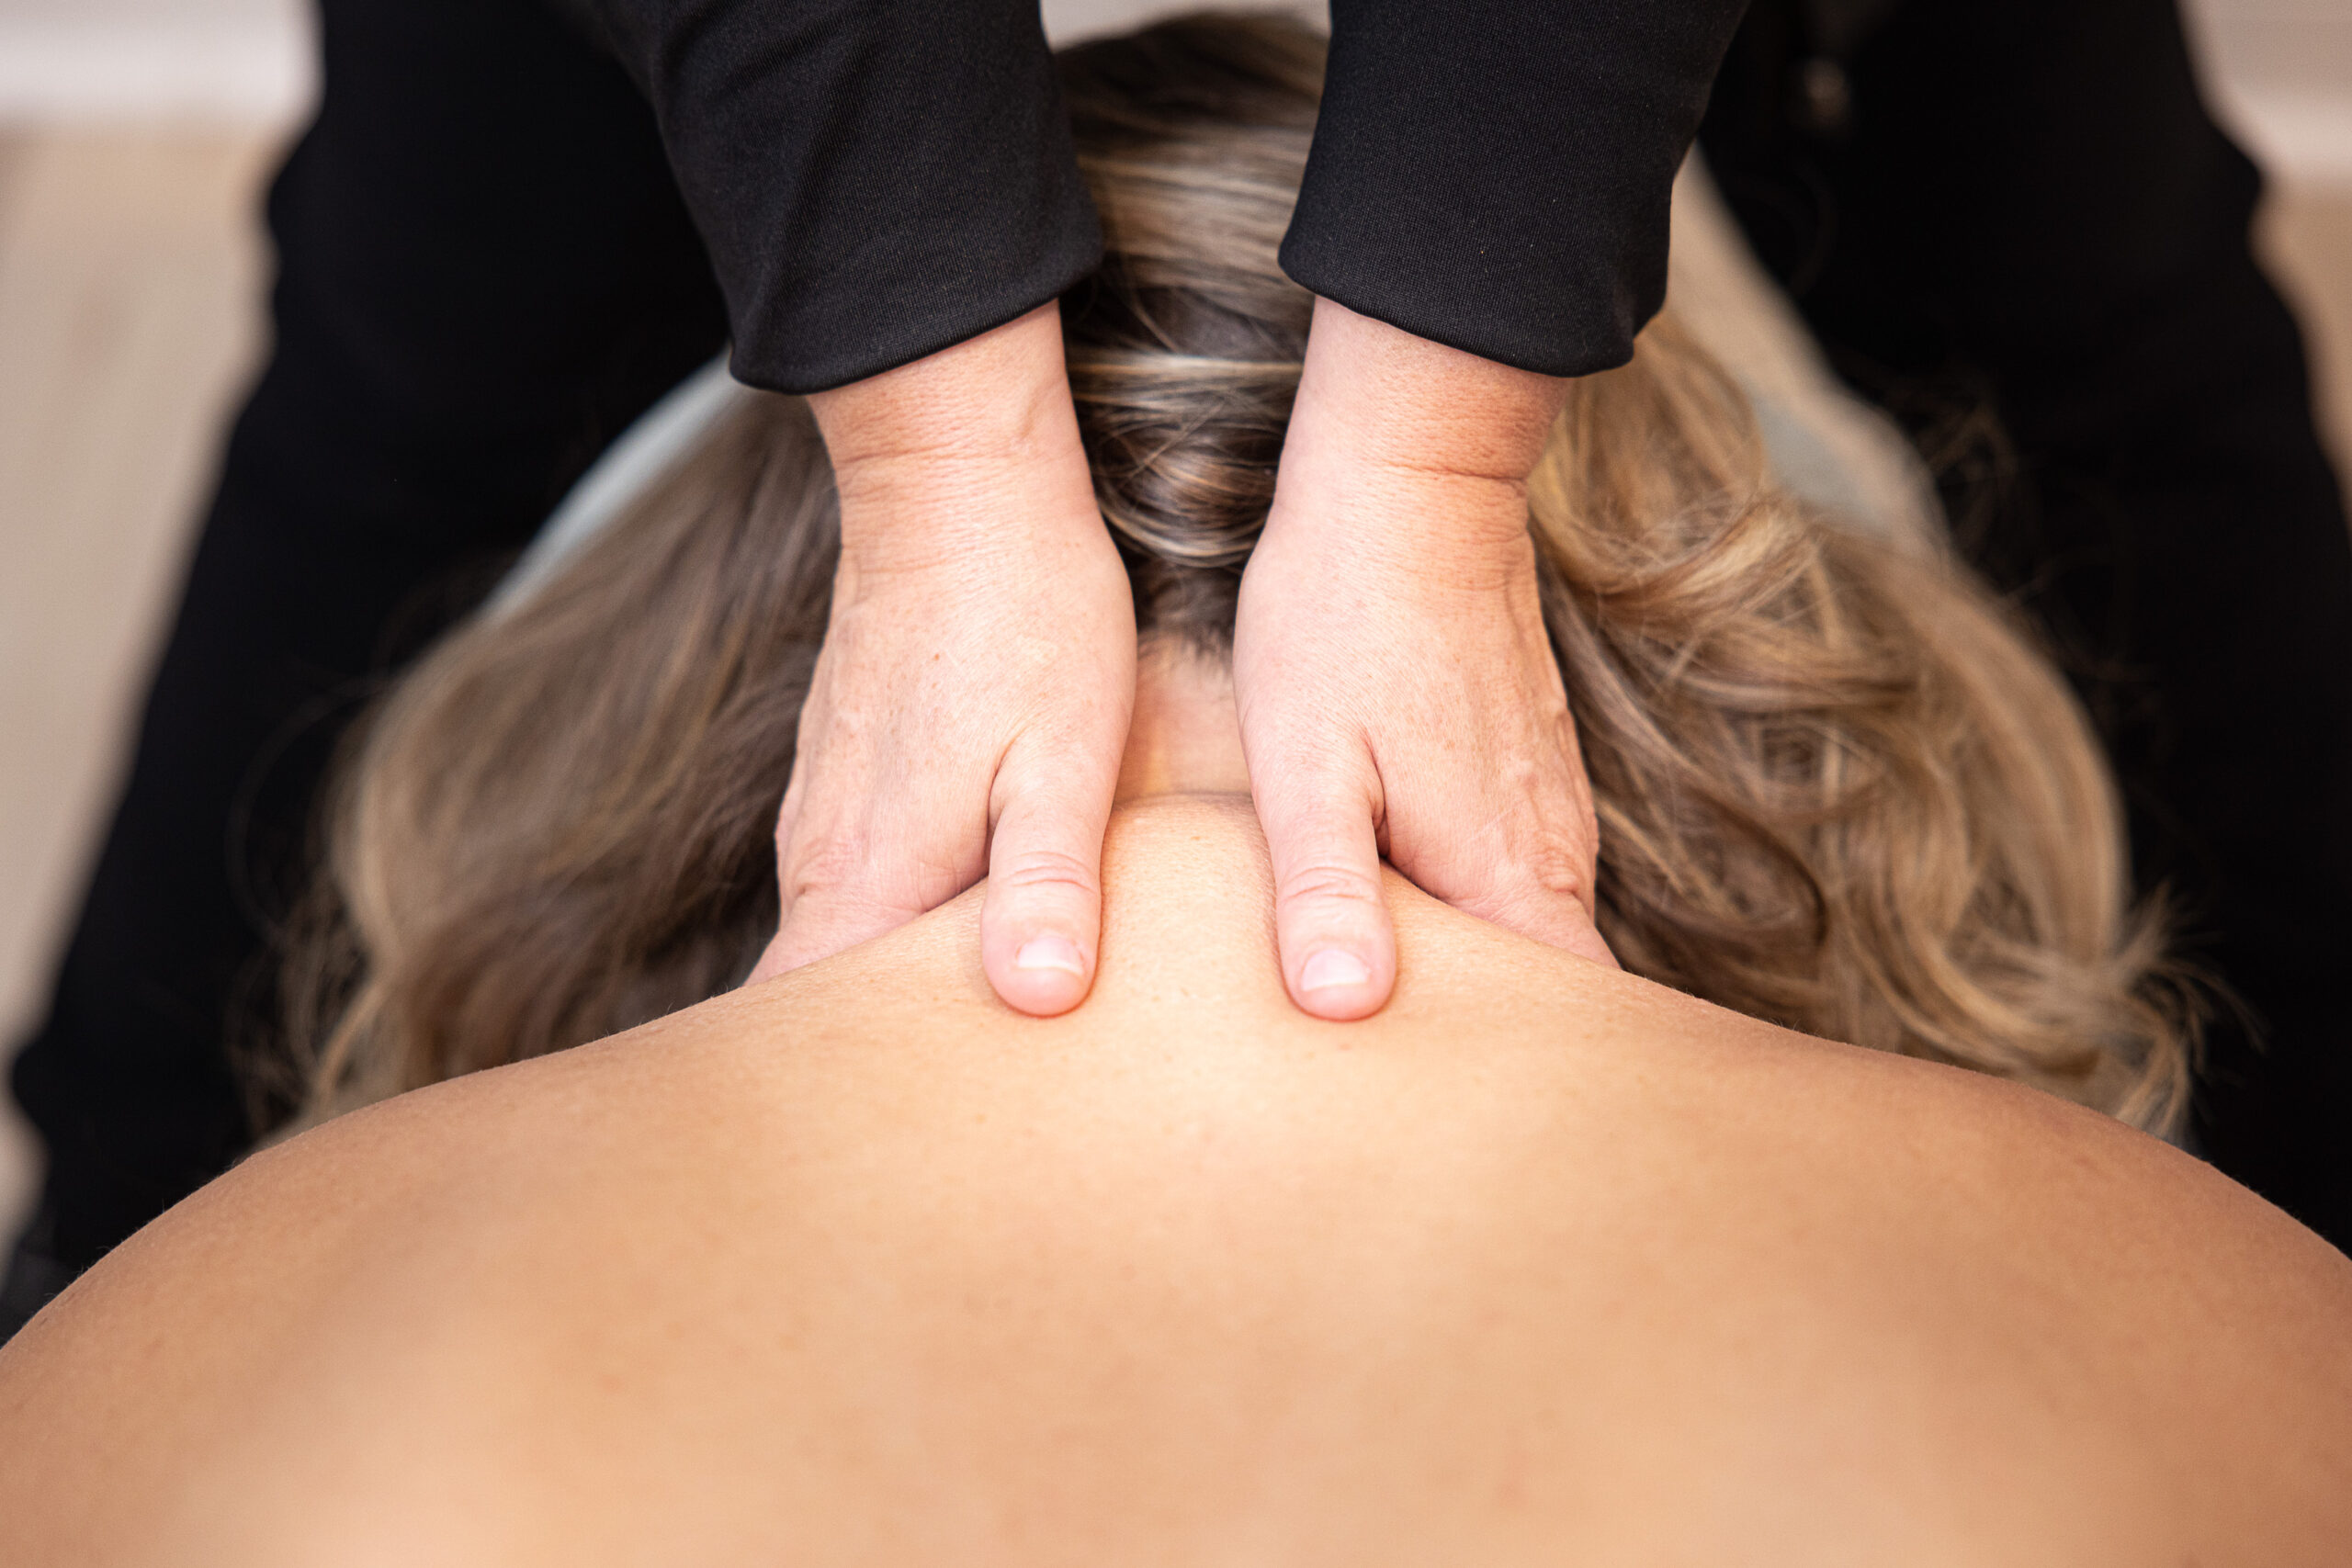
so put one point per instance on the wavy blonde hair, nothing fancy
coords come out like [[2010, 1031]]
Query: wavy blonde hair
[[1837, 788]]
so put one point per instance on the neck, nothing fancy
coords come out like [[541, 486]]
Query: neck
[[1185, 738]]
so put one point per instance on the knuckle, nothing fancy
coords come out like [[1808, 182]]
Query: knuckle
[[1326, 882], [828, 865], [1549, 832], [1558, 863], [1546, 769], [1524, 774], [1532, 887], [1307, 797], [1043, 868], [1512, 870], [1549, 847]]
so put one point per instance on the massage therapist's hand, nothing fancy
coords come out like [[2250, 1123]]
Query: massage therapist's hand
[[972, 697], [1397, 692]]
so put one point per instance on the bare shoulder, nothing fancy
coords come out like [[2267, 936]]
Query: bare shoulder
[[262, 1354], [1136, 1245], [2176, 1347]]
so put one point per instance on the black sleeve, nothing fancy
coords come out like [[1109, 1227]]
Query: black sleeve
[[876, 179], [1495, 173]]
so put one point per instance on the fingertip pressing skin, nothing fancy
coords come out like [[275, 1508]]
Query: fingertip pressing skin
[[1338, 946], [1338, 982], [1332, 967], [1050, 951], [1336, 985], [1038, 935], [1042, 974], [1042, 917], [1041, 920]]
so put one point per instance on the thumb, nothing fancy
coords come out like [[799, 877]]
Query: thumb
[[1338, 947], [1041, 924]]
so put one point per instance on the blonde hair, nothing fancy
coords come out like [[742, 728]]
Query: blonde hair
[[1837, 787]]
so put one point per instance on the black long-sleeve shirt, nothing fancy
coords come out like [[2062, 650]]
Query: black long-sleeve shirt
[[880, 179]]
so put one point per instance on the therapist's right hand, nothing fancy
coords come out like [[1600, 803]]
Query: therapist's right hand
[[971, 700]]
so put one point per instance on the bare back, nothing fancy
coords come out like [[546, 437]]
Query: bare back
[[1546, 1263]]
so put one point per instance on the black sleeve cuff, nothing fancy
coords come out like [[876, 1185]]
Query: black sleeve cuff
[[876, 179], [1495, 174]]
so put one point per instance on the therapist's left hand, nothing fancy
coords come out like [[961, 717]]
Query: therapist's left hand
[[1397, 690]]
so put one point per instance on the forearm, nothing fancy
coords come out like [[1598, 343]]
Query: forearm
[[873, 182]]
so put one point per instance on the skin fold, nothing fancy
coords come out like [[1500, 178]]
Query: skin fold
[[1541, 1263]]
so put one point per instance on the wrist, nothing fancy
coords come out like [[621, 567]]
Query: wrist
[[971, 450], [1390, 400], [1002, 395], [1411, 453], [1468, 531]]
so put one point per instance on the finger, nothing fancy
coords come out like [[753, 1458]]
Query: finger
[[1041, 924], [833, 914], [1337, 948], [1541, 892], [1529, 868], [837, 885], [776, 957], [825, 922], [1564, 923], [773, 961], [839, 888], [1519, 846]]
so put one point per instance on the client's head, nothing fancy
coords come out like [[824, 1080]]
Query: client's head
[[1837, 789]]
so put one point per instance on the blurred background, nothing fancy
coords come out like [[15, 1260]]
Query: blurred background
[[135, 136]]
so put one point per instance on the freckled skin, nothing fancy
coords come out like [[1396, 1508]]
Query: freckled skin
[[1541, 1263]]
